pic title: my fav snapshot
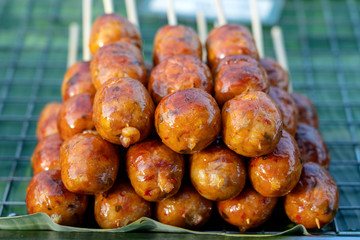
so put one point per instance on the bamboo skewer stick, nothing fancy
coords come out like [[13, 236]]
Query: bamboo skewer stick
[[256, 27], [202, 31], [171, 16], [220, 13], [73, 44], [108, 6], [86, 24], [131, 12], [280, 52]]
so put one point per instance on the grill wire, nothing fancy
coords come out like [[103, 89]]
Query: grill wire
[[323, 45]]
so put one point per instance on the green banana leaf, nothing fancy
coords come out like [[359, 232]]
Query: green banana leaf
[[41, 221]]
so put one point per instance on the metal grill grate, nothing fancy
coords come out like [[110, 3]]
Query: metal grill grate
[[323, 45]]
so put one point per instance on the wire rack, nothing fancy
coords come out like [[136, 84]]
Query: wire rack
[[323, 44]]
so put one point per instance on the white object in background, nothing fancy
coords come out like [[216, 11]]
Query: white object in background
[[234, 10], [108, 6], [171, 13], [73, 43], [86, 25], [131, 12], [256, 27], [280, 52]]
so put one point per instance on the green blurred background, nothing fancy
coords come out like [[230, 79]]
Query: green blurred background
[[322, 39]]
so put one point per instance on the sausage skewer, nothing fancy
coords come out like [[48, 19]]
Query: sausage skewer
[[220, 13], [202, 31], [86, 24], [73, 43], [280, 52], [256, 27], [108, 6], [171, 15], [131, 12]]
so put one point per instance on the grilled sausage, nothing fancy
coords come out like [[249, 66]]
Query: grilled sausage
[[111, 28], [247, 210], [312, 146], [46, 193], [123, 111], [77, 80], [155, 171], [277, 76], [217, 173], [47, 123], [179, 72], [120, 206], [175, 40], [89, 164], [277, 173], [251, 124], [188, 120], [76, 115], [46, 155], [117, 60], [307, 111], [187, 209], [238, 74], [287, 108], [315, 199], [229, 39]]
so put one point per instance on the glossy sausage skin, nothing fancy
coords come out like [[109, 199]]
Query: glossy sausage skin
[[111, 28], [187, 209], [76, 115], [46, 155], [287, 107], [307, 110], [123, 111], [315, 199], [77, 80], [155, 171], [247, 210], [89, 164], [277, 173], [46, 193], [47, 123], [188, 120], [251, 124], [179, 72], [312, 146], [277, 76], [229, 39], [217, 173], [117, 60], [238, 74], [120, 206], [176, 40]]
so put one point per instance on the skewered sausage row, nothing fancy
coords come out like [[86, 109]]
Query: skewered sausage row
[[187, 119]]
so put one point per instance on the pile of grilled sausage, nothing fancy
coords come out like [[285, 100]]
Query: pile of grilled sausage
[[181, 139]]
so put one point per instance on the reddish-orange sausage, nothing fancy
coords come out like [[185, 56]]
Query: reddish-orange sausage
[[229, 39], [111, 28], [46, 193], [77, 80], [175, 40], [155, 171], [47, 123], [315, 199], [120, 206], [188, 120], [46, 155], [179, 72], [238, 74]]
